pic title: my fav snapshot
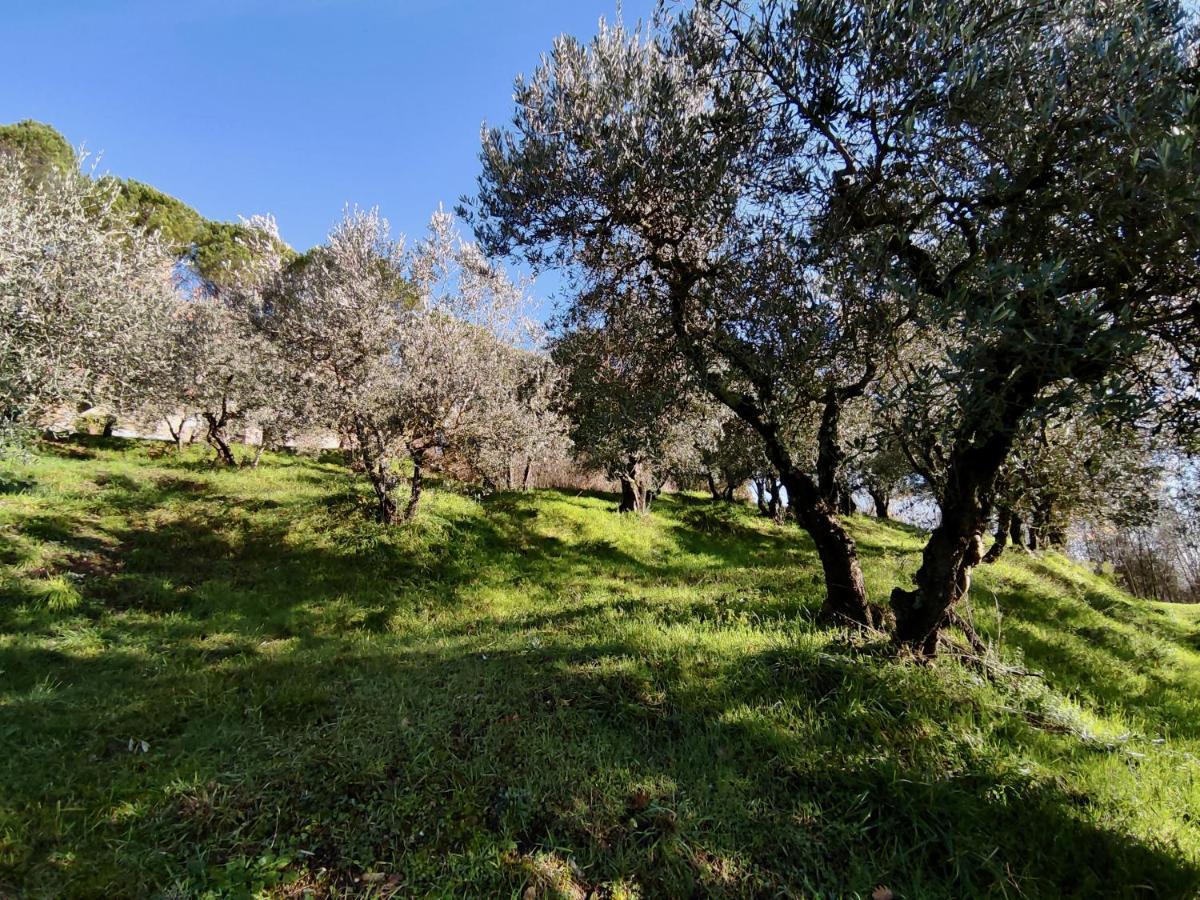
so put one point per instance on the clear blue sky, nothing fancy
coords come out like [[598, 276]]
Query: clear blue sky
[[292, 107]]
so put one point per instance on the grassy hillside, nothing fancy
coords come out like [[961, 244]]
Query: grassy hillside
[[218, 683]]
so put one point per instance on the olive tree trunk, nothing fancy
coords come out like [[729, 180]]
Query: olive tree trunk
[[981, 445], [879, 498], [633, 496], [416, 484], [1000, 541], [712, 485], [217, 439], [176, 433], [845, 590]]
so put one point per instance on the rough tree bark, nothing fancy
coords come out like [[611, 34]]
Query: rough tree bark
[[378, 470], [633, 496], [981, 445], [845, 590], [952, 550], [829, 451], [527, 478]]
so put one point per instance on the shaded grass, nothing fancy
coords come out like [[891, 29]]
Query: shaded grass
[[230, 682]]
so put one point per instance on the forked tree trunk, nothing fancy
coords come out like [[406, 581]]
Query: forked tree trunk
[[954, 548], [775, 507], [845, 590], [1003, 524], [376, 466], [633, 496], [217, 440], [176, 433], [760, 494]]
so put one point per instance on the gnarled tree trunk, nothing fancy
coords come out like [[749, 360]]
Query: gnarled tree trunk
[[217, 440], [954, 548], [377, 467], [633, 496], [845, 590], [981, 445]]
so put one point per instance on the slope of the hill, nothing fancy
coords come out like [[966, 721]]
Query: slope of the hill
[[223, 683]]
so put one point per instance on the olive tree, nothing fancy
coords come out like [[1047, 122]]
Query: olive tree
[[637, 162], [402, 352], [1027, 174], [83, 295], [524, 429], [633, 408], [1021, 177]]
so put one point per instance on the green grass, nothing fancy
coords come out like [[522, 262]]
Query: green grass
[[229, 683]]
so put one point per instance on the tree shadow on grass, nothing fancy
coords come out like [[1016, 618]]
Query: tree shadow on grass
[[1089, 657], [785, 771], [454, 753]]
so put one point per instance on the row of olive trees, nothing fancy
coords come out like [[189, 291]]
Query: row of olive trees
[[124, 296], [412, 358], [971, 217]]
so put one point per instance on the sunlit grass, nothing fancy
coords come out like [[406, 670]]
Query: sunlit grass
[[234, 682]]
